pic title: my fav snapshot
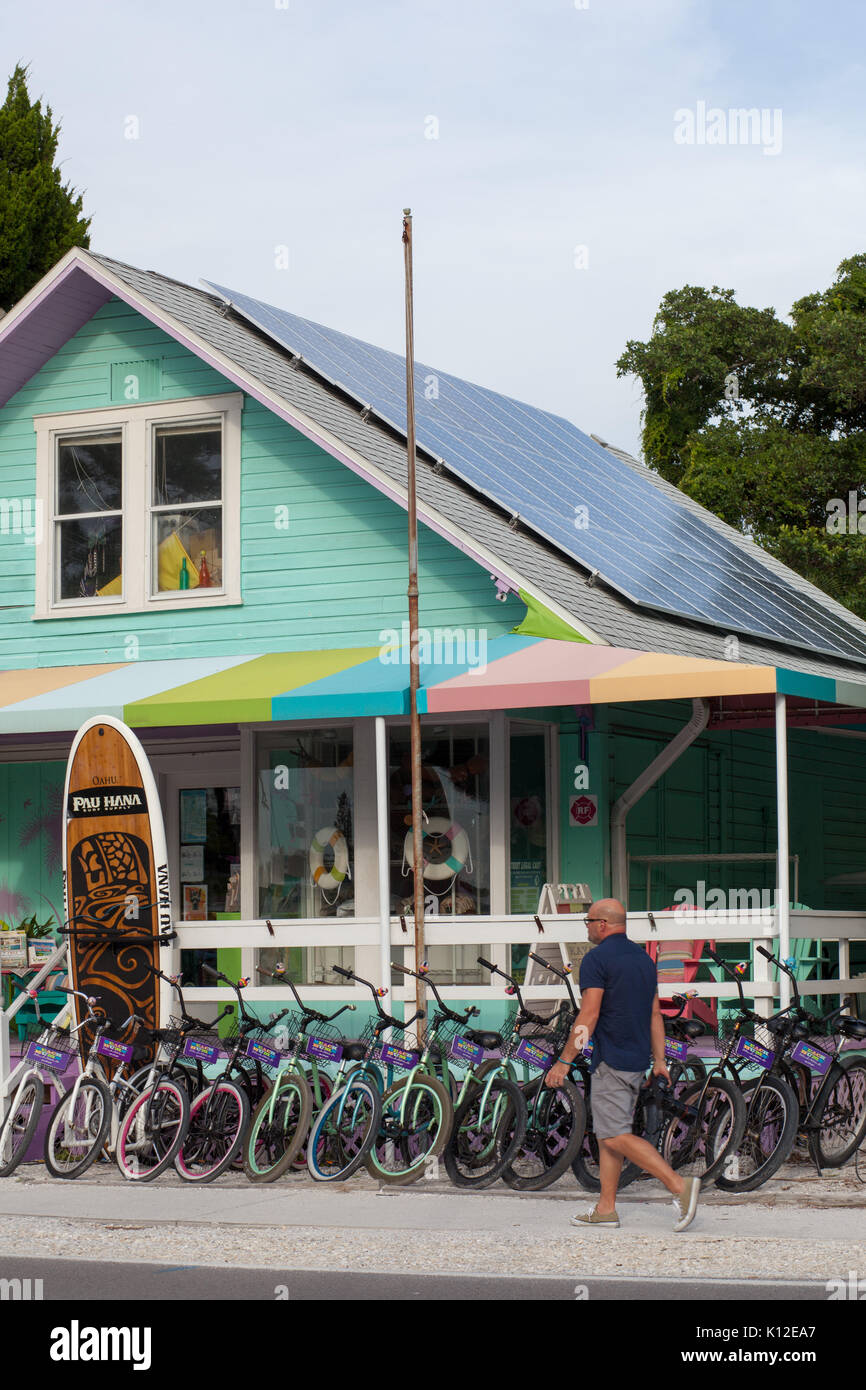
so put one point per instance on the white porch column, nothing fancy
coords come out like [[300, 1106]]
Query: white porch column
[[382, 853], [783, 868]]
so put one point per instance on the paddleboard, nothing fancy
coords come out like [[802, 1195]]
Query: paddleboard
[[116, 884]]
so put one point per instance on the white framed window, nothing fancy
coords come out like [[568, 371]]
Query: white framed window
[[142, 505]]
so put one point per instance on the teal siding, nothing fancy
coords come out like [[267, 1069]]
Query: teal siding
[[337, 577], [31, 796]]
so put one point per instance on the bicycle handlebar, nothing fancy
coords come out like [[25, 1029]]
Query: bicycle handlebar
[[564, 975], [449, 1013]]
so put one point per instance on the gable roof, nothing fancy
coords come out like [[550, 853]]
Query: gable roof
[[374, 448]]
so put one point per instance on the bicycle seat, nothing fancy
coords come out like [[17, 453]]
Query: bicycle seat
[[800, 1032], [691, 1027], [852, 1027], [489, 1041], [355, 1050]]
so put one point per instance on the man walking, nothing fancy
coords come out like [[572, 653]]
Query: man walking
[[619, 1009]]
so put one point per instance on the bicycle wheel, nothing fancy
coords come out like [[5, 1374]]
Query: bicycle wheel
[[404, 1145], [488, 1130], [692, 1069], [78, 1129], [772, 1119], [277, 1132], [585, 1165], [841, 1112], [697, 1143], [556, 1123], [299, 1164], [20, 1123], [218, 1119], [153, 1129], [343, 1131]]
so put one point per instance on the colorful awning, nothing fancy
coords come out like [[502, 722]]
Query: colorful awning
[[457, 676]]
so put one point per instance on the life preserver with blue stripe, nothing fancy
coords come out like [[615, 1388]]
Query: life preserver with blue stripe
[[445, 847]]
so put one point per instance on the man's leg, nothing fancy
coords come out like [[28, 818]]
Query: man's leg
[[610, 1167], [641, 1152]]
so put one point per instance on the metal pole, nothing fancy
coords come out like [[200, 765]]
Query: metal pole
[[383, 837], [783, 867], [414, 665]]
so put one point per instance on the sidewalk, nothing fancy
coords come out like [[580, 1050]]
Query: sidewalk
[[433, 1227]]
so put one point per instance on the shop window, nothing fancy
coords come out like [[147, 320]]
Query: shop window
[[456, 802], [306, 842]]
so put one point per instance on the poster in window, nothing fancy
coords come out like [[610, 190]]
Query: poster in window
[[193, 816], [195, 902], [191, 863]]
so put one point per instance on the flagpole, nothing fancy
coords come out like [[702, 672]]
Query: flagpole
[[414, 663]]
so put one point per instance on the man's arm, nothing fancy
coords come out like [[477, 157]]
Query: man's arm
[[657, 1036], [581, 1032]]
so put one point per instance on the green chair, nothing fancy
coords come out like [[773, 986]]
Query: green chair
[[50, 1002]]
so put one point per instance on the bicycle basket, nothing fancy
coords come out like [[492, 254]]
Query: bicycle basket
[[757, 1032], [58, 1039]]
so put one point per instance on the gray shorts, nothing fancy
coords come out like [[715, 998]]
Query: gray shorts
[[614, 1096]]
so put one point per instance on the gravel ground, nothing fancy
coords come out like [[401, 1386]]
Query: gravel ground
[[502, 1231]]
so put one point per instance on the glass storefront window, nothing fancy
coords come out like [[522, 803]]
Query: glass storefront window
[[455, 763], [305, 841], [527, 765]]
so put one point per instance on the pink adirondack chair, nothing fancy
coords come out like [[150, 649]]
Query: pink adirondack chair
[[679, 961]]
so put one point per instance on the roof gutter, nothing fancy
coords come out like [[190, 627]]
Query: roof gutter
[[648, 778]]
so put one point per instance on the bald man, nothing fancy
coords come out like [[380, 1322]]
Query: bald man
[[619, 1010]]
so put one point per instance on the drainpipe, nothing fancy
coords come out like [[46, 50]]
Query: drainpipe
[[648, 778]]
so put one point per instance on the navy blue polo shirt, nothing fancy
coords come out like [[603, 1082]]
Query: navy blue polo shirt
[[628, 977]]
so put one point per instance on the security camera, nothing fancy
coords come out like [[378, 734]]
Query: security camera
[[501, 595]]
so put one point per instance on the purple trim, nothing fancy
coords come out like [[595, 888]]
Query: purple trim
[[55, 315]]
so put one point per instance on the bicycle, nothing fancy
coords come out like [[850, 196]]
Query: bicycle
[[280, 1123], [87, 1118], [50, 1051], [347, 1124], [555, 1116]]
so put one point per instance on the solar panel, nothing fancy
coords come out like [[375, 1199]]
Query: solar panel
[[643, 543]]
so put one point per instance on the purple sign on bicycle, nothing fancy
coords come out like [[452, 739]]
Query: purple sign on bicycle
[[812, 1057], [399, 1057], [676, 1051], [200, 1051], [535, 1056], [752, 1051], [462, 1050], [260, 1052], [324, 1050], [50, 1057], [589, 1049], [118, 1052]]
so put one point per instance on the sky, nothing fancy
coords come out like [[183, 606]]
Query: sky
[[560, 157]]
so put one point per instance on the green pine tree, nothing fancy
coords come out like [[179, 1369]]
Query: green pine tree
[[40, 217]]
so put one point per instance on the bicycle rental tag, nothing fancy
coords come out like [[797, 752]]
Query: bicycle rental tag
[[324, 1049], [118, 1052], [260, 1052], [751, 1051], [399, 1057], [536, 1056], [589, 1049], [812, 1057], [50, 1057], [676, 1051], [462, 1050], [200, 1051]]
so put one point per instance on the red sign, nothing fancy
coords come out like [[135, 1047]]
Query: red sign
[[583, 810]]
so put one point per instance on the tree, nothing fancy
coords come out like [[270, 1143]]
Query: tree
[[41, 218], [764, 421]]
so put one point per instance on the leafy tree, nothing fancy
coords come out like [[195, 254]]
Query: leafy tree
[[41, 218], [764, 421]]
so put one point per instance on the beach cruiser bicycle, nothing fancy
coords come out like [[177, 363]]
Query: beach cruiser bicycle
[[555, 1116], [783, 1099], [50, 1050]]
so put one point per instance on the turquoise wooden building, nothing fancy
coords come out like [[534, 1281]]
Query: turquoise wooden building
[[202, 531]]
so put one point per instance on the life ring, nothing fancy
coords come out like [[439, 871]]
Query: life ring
[[339, 871], [449, 850]]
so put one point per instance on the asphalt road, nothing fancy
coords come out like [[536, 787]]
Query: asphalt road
[[89, 1281]]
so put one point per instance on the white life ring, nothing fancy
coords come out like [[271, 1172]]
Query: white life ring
[[439, 828], [339, 871]]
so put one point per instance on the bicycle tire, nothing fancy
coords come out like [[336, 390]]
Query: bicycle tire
[[556, 1124], [835, 1102], [410, 1144], [88, 1111], [586, 1162], [722, 1118], [343, 1131], [165, 1106], [18, 1128], [692, 1069], [772, 1121], [276, 1136], [215, 1132], [299, 1164], [479, 1150]]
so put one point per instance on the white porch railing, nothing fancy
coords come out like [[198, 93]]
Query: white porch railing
[[8, 1073]]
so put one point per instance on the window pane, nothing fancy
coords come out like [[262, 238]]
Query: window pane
[[456, 799], [89, 474], [89, 555], [187, 465], [188, 549]]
